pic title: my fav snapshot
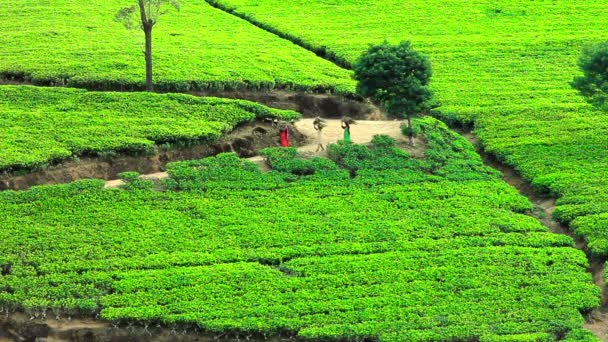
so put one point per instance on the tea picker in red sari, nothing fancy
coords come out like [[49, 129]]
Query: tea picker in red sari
[[284, 133]]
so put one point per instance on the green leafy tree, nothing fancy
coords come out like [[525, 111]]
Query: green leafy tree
[[397, 77], [147, 12], [594, 82]]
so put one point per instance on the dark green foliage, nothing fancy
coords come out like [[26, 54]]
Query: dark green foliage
[[381, 141], [129, 176], [348, 155], [413, 131], [381, 156], [225, 171], [396, 76], [134, 182], [449, 155], [287, 159], [594, 82], [580, 335]]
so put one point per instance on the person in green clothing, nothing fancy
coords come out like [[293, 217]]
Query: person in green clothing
[[346, 122]]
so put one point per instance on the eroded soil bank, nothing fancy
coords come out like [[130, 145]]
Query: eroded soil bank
[[309, 104], [18, 327], [245, 141], [362, 133]]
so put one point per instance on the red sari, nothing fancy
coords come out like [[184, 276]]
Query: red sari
[[284, 138]]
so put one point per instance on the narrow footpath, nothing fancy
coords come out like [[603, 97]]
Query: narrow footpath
[[362, 133]]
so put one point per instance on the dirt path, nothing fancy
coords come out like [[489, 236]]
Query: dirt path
[[19, 327], [115, 183], [362, 133]]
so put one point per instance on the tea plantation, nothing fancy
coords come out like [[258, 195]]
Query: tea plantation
[[42, 125], [79, 44], [370, 244], [503, 66]]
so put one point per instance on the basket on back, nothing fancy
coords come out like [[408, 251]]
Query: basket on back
[[319, 123]]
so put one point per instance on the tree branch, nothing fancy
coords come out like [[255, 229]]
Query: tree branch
[[142, 12], [124, 16]]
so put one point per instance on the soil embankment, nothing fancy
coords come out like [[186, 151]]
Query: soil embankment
[[20, 328], [309, 104], [245, 141], [362, 133]]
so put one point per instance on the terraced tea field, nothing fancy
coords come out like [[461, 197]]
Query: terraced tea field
[[200, 48], [369, 244], [394, 254], [43, 125], [504, 66]]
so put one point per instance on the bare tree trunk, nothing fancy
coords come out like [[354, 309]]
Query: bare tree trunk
[[149, 82], [411, 131], [147, 24]]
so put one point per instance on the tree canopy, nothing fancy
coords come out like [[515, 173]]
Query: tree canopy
[[397, 76], [148, 12], [594, 82]]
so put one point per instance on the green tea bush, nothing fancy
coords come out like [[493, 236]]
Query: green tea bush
[[39, 126], [132, 181], [287, 159], [199, 49]]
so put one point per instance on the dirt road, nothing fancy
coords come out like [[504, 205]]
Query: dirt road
[[361, 133]]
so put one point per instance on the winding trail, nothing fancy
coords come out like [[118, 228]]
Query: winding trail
[[362, 133]]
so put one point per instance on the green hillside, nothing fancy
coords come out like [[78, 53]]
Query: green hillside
[[367, 245], [78, 43], [394, 254], [43, 125], [504, 66]]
